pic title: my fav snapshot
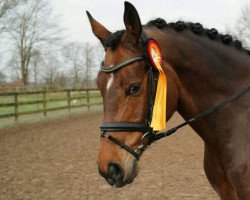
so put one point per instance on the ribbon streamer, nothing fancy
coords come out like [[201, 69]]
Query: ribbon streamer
[[159, 110]]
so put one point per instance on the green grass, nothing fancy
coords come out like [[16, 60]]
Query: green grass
[[50, 96], [29, 119]]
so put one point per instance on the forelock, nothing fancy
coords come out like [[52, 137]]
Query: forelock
[[113, 40]]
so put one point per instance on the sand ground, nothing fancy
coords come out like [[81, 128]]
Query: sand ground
[[57, 160]]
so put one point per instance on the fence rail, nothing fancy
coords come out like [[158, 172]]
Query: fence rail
[[84, 98]]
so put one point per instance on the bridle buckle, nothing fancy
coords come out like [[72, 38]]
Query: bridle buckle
[[147, 140]]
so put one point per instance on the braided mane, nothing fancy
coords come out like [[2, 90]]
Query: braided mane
[[179, 26], [198, 29]]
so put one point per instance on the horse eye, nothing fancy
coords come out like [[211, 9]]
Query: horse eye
[[134, 88]]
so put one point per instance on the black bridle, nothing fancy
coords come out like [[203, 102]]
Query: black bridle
[[149, 136], [143, 127]]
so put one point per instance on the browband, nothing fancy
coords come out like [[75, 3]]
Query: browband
[[121, 65]]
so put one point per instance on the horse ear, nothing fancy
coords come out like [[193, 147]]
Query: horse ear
[[132, 22], [98, 29]]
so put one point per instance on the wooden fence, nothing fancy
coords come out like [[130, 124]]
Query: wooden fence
[[68, 96]]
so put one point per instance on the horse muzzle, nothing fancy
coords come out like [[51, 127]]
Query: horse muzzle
[[117, 176]]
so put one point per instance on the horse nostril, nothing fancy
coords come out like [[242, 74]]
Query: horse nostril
[[115, 172]]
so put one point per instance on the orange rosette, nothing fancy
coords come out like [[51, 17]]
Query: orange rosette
[[159, 110]]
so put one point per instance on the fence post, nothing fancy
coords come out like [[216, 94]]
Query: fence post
[[16, 105], [69, 100], [45, 103], [88, 100]]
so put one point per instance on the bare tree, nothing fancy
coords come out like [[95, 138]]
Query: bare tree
[[61, 80], [51, 70], [2, 77], [241, 28], [36, 61], [6, 7], [32, 29], [14, 68], [99, 57], [73, 54], [88, 55], [84, 61], [99, 53]]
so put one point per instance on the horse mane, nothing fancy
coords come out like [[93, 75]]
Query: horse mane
[[198, 29], [114, 39]]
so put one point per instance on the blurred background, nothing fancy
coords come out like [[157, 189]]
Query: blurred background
[[50, 43]]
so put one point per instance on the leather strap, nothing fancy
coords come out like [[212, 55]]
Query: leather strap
[[149, 135], [124, 126], [203, 114], [121, 144], [121, 65]]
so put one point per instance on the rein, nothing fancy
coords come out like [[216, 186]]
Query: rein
[[203, 114], [149, 136]]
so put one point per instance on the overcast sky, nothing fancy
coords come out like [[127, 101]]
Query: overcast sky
[[211, 13]]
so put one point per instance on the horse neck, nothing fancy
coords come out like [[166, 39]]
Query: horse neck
[[206, 71]]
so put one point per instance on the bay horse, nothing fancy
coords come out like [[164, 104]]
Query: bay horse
[[202, 68]]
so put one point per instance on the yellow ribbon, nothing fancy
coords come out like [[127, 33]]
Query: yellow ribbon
[[159, 110]]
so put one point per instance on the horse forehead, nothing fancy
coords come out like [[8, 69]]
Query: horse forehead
[[115, 57], [119, 54]]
